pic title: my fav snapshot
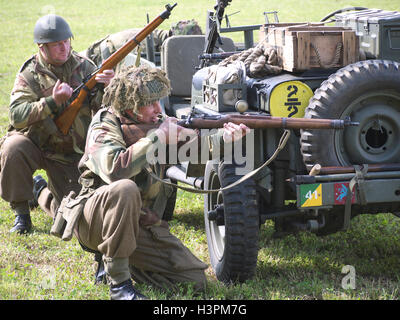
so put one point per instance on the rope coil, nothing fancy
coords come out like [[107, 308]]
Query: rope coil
[[259, 61]]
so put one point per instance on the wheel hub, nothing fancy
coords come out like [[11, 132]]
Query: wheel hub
[[217, 215], [375, 136]]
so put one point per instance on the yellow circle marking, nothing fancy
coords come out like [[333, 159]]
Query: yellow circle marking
[[290, 99]]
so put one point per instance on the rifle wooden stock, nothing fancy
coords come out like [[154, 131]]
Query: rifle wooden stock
[[66, 119]]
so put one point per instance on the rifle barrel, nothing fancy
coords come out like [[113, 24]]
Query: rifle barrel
[[217, 55]]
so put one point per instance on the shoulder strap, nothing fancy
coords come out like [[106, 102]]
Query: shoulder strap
[[29, 77]]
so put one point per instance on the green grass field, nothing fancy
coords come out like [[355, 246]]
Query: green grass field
[[302, 266]]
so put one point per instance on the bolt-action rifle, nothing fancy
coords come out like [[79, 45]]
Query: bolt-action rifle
[[67, 117], [253, 121], [258, 121]]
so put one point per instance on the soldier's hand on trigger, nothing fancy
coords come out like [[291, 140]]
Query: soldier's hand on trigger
[[234, 132], [61, 92], [105, 77]]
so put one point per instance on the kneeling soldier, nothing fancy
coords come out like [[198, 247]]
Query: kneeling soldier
[[118, 211]]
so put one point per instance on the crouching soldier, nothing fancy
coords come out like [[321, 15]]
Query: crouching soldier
[[117, 194]]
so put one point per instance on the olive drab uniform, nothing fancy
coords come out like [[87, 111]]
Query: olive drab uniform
[[116, 192], [34, 142]]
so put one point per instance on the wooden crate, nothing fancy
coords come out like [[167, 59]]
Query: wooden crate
[[303, 47], [264, 29]]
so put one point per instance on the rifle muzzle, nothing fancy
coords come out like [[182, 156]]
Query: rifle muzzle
[[341, 124], [167, 12], [349, 123]]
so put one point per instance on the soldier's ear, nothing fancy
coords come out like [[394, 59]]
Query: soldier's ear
[[42, 48]]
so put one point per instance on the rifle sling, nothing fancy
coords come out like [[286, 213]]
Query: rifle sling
[[282, 142]]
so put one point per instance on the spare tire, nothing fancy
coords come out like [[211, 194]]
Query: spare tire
[[368, 92]]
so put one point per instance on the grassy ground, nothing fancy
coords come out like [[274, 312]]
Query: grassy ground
[[302, 266]]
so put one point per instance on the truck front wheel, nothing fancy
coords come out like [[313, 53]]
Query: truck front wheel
[[231, 223]]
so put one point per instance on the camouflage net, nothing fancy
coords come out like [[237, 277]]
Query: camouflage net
[[135, 87], [259, 61]]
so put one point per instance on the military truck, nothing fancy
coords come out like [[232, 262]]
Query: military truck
[[321, 178], [303, 179]]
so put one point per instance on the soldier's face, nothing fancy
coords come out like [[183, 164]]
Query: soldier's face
[[57, 53], [149, 113]]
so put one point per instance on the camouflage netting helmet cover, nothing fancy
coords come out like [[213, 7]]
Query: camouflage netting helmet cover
[[51, 28], [135, 87], [186, 27]]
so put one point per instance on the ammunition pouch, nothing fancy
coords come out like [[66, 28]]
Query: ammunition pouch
[[67, 215]]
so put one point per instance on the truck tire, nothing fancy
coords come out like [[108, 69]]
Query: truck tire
[[367, 92], [233, 236]]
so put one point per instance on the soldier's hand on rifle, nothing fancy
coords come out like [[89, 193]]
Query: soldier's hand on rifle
[[105, 77], [234, 132], [61, 92], [169, 132]]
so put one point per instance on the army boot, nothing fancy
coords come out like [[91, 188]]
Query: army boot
[[125, 291], [118, 274], [38, 185], [22, 223]]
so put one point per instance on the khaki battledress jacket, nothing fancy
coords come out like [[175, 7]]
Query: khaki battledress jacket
[[33, 141], [33, 110]]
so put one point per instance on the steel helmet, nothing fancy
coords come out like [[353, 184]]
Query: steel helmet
[[51, 28]]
